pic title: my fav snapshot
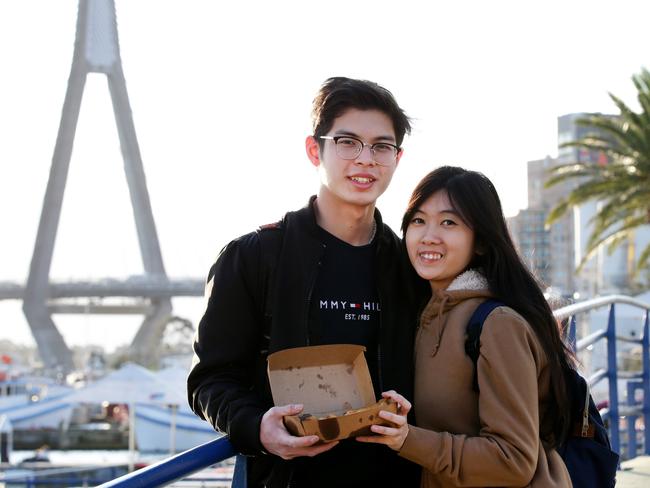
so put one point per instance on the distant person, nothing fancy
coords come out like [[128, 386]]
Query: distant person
[[504, 431], [291, 284], [40, 455], [5, 439]]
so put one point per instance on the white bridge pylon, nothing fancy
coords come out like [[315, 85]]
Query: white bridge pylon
[[96, 51]]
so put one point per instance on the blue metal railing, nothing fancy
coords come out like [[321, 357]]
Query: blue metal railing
[[636, 379], [188, 462], [177, 467]]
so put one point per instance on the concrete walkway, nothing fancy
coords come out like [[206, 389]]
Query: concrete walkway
[[635, 473]]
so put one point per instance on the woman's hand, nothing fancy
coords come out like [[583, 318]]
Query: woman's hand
[[393, 437]]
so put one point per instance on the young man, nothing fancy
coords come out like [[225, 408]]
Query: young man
[[290, 284]]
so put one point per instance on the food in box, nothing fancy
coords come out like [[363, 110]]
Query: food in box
[[334, 385]]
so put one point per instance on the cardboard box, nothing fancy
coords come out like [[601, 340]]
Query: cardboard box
[[333, 383]]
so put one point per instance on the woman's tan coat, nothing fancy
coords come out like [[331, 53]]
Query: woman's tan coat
[[487, 439]]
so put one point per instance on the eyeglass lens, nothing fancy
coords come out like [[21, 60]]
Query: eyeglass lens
[[348, 148]]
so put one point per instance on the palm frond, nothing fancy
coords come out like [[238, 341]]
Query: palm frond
[[597, 239], [570, 171], [618, 240], [617, 153], [627, 116], [624, 131], [557, 212], [613, 213], [642, 85], [644, 259]]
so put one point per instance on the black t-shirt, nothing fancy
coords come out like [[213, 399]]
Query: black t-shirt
[[345, 309], [345, 304]]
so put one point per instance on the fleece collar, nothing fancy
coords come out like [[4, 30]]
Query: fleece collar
[[471, 279], [469, 284]]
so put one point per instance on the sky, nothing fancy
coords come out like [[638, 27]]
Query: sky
[[221, 95]]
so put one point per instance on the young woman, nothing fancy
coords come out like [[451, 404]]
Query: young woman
[[504, 434]]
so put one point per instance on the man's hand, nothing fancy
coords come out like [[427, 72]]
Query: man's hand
[[277, 440]]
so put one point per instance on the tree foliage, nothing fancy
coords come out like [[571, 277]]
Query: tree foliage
[[622, 184]]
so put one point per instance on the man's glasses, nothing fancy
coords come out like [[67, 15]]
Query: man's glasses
[[348, 147]]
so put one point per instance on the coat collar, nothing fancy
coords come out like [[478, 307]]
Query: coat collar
[[469, 284], [471, 279]]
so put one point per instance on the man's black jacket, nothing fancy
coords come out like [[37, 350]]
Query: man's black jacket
[[248, 317]]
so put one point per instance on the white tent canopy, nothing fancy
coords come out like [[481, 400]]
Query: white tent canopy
[[130, 384], [176, 375]]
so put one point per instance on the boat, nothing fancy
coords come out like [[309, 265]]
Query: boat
[[169, 428], [33, 402]]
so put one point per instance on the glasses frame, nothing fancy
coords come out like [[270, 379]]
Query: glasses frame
[[363, 144]]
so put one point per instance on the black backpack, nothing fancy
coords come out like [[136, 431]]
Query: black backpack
[[586, 452]]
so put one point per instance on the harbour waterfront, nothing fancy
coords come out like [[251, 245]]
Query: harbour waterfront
[[131, 406], [90, 468], [98, 429]]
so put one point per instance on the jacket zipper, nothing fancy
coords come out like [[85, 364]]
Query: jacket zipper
[[379, 340], [312, 283]]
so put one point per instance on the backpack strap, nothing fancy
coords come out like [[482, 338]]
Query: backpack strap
[[473, 333], [582, 404]]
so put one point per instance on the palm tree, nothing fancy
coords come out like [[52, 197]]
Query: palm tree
[[622, 184]]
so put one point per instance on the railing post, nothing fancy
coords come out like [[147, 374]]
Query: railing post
[[631, 419], [645, 359], [612, 379], [240, 476]]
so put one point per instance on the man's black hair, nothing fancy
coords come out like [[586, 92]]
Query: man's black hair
[[339, 94]]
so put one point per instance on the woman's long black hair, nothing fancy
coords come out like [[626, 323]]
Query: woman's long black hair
[[474, 197]]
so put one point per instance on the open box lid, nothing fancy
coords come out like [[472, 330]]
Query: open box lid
[[325, 379]]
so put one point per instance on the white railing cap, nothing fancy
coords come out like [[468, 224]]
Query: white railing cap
[[594, 303]]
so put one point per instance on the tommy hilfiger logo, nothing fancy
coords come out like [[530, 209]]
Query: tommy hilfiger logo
[[342, 305]]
